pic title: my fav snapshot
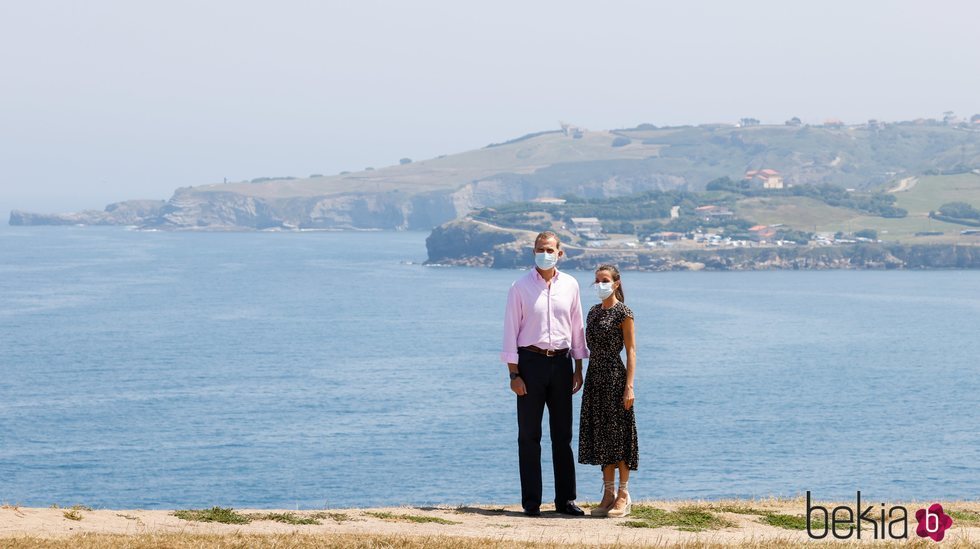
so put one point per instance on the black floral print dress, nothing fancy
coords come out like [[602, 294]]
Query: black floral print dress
[[607, 431]]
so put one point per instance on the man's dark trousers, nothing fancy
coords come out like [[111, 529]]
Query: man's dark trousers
[[548, 381]]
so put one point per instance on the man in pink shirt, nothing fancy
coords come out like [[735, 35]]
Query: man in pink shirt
[[543, 332]]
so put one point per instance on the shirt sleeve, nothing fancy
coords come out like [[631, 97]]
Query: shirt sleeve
[[512, 324], [579, 350]]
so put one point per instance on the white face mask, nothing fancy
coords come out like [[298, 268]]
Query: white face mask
[[545, 261], [603, 290]]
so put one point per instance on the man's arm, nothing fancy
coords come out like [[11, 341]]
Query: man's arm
[[578, 349], [512, 325]]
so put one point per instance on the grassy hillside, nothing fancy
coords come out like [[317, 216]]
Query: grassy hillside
[[680, 157], [452, 171], [646, 213], [928, 193]]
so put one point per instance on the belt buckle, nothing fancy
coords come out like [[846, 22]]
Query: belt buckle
[[549, 352]]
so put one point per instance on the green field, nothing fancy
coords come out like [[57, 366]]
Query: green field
[[933, 191], [927, 194]]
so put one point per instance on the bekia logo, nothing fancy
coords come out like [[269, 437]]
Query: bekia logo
[[933, 522], [844, 522]]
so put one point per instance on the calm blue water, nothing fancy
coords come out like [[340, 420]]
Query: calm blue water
[[161, 370]]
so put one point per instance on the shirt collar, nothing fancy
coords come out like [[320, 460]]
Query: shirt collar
[[537, 274]]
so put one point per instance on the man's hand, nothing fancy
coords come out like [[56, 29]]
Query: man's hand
[[576, 381], [517, 385]]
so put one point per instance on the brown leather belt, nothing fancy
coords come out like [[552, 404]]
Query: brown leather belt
[[545, 352]]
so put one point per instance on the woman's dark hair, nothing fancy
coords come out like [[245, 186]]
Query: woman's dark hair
[[615, 276]]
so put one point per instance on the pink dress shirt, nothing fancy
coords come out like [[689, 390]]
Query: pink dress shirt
[[549, 318]]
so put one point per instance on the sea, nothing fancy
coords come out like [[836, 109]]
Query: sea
[[310, 370]]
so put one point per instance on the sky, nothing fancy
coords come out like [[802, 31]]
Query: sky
[[102, 101]]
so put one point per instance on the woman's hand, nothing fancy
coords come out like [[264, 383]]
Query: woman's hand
[[628, 397]]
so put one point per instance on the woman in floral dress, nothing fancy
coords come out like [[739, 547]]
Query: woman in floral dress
[[607, 427]]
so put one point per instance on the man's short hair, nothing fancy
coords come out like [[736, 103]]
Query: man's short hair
[[544, 235]]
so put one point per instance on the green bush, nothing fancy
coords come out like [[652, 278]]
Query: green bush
[[959, 209], [800, 237]]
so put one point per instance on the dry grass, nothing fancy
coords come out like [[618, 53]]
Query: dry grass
[[358, 541], [336, 517], [77, 507], [384, 515], [286, 518], [734, 507], [763, 523]]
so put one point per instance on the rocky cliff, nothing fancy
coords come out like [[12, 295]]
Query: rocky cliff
[[464, 242], [194, 209], [211, 208], [130, 212], [590, 164]]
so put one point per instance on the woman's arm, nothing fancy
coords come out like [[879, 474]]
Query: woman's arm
[[629, 341]]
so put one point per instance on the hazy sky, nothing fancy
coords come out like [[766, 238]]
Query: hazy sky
[[105, 101]]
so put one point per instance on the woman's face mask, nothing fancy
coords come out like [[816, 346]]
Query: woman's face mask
[[603, 290]]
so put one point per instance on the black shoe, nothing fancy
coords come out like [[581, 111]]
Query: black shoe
[[570, 509], [533, 512]]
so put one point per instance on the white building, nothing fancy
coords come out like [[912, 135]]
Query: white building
[[586, 224]]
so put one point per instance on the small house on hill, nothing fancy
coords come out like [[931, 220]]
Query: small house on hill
[[712, 212], [764, 179], [664, 236], [763, 232], [587, 227]]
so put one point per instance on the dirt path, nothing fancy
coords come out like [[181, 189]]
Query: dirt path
[[904, 185], [653, 523]]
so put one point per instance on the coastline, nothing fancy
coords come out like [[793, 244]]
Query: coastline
[[767, 522], [468, 243], [478, 244]]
